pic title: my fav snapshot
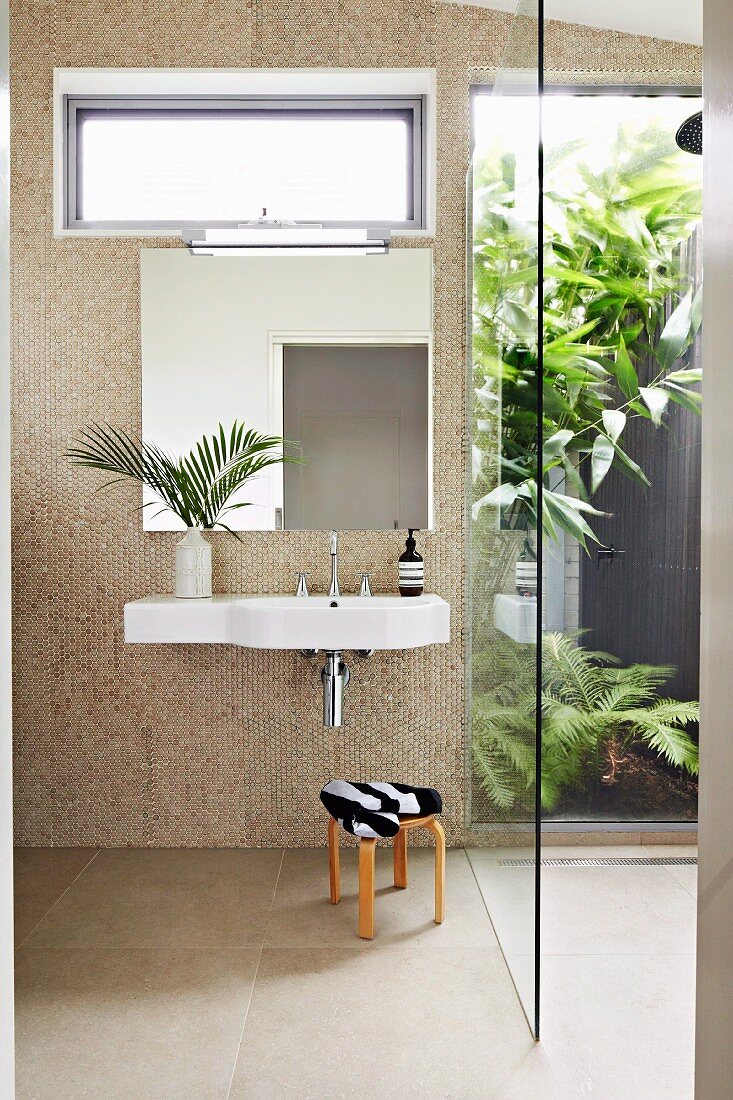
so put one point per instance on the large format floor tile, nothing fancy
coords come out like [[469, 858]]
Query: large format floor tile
[[589, 910], [620, 1028], [615, 911], [304, 917], [336, 1022], [509, 895], [129, 1024], [141, 975], [40, 877], [166, 898], [686, 876]]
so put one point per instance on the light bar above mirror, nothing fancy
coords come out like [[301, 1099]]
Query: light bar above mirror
[[274, 238]]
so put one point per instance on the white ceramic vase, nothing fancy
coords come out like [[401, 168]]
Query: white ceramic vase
[[193, 566]]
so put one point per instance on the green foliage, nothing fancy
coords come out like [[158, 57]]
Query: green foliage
[[196, 487], [593, 711], [613, 297]]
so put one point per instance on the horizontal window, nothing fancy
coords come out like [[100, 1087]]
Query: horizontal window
[[165, 163]]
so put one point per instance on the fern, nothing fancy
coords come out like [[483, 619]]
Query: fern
[[591, 709], [496, 776]]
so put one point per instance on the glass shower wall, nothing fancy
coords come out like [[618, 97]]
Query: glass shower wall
[[583, 483], [505, 545]]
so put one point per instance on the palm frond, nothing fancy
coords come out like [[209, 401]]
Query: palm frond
[[198, 487]]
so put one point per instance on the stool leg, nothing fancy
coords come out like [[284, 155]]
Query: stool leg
[[437, 830], [367, 854], [400, 859], [334, 870]]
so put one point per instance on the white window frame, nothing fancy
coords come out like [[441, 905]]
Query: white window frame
[[410, 90]]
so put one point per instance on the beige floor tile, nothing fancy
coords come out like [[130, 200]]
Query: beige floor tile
[[40, 877], [525, 852], [588, 851], [615, 911], [633, 1038], [686, 876], [509, 895], [129, 1024], [332, 1023], [561, 851], [304, 917], [166, 898], [671, 851], [589, 910]]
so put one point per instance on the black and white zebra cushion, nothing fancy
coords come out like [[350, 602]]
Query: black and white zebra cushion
[[374, 809]]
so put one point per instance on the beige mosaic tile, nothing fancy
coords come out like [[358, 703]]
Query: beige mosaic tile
[[209, 746]]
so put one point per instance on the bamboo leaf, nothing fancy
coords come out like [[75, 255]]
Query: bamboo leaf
[[625, 372], [655, 400], [601, 461], [576, 278], [565, 511], [554, 447], [696, 312], [686, 377], [614, 421], [630, 468], [676, 335], [689, 399]]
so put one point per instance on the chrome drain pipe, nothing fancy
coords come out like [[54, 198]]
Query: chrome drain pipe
[[335, 676]]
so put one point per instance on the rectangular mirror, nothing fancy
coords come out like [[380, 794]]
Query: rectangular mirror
[[332, 352]]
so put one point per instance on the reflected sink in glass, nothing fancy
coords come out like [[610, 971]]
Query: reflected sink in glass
[[292, 622]]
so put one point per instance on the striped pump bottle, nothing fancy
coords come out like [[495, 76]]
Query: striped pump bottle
[[411, 568]]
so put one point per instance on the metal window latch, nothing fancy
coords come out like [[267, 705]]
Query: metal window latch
[[608, 551]]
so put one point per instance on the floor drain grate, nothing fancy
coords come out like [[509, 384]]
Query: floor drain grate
[[607, 861]]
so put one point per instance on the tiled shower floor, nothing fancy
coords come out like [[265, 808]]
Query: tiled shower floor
[[196, 974], [617, 965]]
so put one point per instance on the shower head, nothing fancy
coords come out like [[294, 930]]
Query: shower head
[[689, 135]]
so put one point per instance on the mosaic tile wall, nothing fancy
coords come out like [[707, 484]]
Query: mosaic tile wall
[[213, 746]]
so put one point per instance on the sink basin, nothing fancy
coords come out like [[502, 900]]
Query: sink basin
[[291, 622], [516, 616]]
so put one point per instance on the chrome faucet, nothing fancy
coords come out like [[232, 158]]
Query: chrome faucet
[[365, 588], [302, 587], [334, 590]]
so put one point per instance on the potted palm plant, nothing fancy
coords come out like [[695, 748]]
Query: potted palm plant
[[197, 487]]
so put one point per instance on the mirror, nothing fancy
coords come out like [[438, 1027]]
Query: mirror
[[332, 352]]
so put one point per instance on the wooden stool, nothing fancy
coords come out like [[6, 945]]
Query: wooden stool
[[367, 854]]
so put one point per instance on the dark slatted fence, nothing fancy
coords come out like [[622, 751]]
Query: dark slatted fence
[[644, 605]]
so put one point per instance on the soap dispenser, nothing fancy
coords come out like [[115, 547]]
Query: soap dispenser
[[411, 568], [525, 571]]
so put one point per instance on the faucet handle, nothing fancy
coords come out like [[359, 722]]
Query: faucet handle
[[334, 542], [302, 588], [365, 589]]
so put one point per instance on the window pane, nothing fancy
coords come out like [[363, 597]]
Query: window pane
[[206, 169]]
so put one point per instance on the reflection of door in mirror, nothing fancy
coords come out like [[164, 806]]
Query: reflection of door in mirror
[[360, 413]]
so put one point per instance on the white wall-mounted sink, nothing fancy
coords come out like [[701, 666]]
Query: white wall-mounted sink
[[291, 622], [516, 616]]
